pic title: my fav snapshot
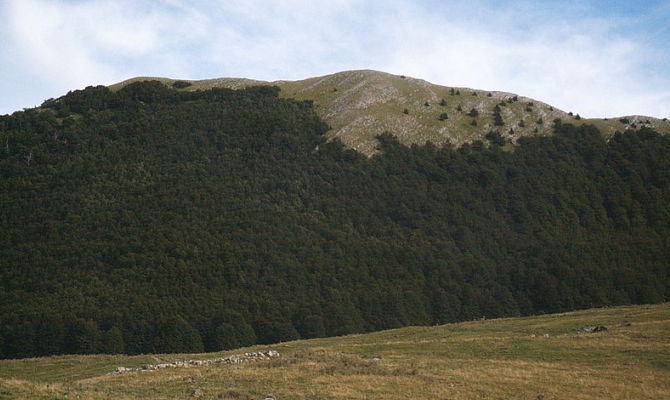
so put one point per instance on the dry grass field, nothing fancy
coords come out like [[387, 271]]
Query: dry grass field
[[536, 358]]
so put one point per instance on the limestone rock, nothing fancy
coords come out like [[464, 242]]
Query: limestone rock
[[234, 359], [594, 328]]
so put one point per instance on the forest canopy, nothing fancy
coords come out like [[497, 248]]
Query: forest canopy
[[156, 220]]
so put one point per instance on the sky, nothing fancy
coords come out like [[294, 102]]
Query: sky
[[593, 57]]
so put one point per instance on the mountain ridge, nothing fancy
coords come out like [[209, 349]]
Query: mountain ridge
[[361, 104]]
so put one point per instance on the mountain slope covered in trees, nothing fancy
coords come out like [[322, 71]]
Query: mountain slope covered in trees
[[154, 220]]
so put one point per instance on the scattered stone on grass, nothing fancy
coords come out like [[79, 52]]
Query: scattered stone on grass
[[234, 359], [594, 328]]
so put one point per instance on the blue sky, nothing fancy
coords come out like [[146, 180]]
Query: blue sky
[[597, 58]]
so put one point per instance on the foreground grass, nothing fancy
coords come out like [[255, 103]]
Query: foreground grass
[[494, 359]]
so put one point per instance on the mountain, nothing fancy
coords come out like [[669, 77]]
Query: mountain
[[359, 105], [154, 220], [540, 357]]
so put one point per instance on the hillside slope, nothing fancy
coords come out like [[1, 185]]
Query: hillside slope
[[359, 105], [150, 220], [548, 357]]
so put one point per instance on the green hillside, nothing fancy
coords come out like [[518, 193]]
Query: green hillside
[[545, 357], [359, 105], [151, 220]]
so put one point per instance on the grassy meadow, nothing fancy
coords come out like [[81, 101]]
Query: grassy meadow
[[509, 358]]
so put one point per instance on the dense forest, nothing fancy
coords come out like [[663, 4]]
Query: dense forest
[[156, 220]]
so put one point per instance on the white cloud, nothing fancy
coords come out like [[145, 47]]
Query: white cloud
[[64, 42], [582, 67], [68, 45], [285, 40], [582, 64]]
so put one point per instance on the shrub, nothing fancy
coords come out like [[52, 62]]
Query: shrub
[[443, 116], [497, 118], [181, 84], [495, 138], [473, 112]]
